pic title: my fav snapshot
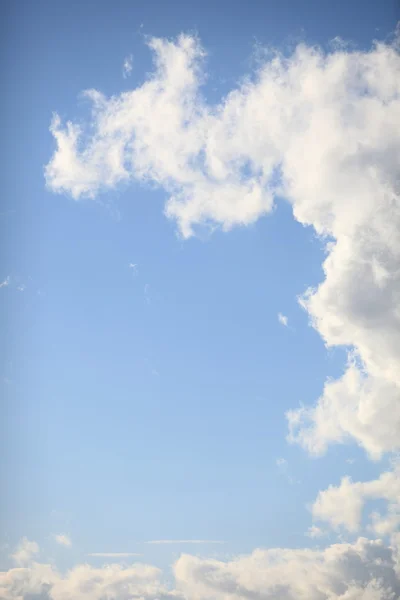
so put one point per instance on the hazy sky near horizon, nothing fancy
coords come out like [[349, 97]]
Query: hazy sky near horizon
[[200, 300]]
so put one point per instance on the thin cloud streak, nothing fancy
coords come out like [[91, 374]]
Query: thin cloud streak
[[185, 542], [113, 554]]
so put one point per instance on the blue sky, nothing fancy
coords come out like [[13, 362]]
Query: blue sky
[[146, 377]]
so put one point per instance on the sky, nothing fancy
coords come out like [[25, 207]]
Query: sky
[[200, 300]]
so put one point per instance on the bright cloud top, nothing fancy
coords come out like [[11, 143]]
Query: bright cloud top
[[25, 552], [365, 570], [342, 506], [321, 129]]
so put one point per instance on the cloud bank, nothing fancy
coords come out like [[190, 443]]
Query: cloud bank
[[365, 570]]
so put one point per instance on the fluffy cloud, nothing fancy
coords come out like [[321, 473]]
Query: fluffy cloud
[[365, 570], [37, 581], [25, 552], [342, 506], [321, 129]]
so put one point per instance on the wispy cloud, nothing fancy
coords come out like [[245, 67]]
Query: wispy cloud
[[14, 283], [283, 466], [283, 320], [315, 532], [185, 542], [113, 554], [63, 539], [127, 66]]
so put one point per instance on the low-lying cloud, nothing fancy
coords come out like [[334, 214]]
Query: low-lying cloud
[[365, 570]]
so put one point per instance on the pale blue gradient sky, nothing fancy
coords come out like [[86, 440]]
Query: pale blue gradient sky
[[149, 404]]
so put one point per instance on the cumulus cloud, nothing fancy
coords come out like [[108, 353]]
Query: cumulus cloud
[[25, 552], [365, 570], [63, 539], [5, 282], [319, 128], [114, 582], [342, 506], [283, 320]]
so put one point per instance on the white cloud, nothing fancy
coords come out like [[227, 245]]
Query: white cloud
[[365, 570], [14, 282], [113, 554], [127, 66], [25, 552], [63, 539], [343, 505], [320, 129], [283, 320], [114, 582], [357, 405]]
